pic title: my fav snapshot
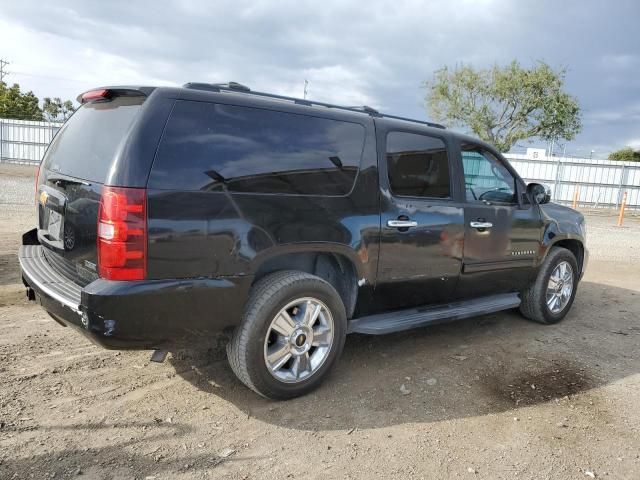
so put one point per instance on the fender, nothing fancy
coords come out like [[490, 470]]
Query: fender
[[562, 224]]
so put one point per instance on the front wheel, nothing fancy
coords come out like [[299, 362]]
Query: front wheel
[[293, 331], [549, 298]]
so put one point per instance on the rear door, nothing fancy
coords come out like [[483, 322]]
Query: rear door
[[70, 181], [502, 230], [421, 221]]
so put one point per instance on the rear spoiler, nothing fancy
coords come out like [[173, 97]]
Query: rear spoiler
[[107, 93]]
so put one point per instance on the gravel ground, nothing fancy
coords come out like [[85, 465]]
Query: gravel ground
[[16, 184], [613, 243], [493, 397]]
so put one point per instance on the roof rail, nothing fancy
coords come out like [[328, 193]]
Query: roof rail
[[240, 88], [366, 109]]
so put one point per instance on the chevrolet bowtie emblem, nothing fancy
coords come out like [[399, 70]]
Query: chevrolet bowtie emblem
[[43, 198]]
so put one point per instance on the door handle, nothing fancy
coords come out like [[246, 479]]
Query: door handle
[[401, 223], [481, 224]]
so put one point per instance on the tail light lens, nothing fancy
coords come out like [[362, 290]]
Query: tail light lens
[[122, 234]]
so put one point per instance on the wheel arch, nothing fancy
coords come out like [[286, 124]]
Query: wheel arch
[[575, 246], [335, 267]]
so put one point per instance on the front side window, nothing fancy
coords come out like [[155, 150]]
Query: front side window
[[216, 147], [418, 165], [486, 179]]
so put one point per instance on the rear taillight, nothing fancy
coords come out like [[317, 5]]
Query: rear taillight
[[122, 234]]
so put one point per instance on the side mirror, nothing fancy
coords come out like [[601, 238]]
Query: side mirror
[[539, 193]]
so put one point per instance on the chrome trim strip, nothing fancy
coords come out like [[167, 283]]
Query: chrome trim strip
[[401, 223], [481, 224]]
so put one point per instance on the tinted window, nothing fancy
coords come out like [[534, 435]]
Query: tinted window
[[418, 165], [485, 177], [87, 143], [218, 147]]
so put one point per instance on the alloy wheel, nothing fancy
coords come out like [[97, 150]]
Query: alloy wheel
[[560, 287], [299, 340]]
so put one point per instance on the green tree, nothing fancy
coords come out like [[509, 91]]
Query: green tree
[[504, 105], [55, 109], [626, 154], [18, 105]]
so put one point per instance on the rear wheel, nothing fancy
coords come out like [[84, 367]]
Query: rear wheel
[[549, 298], [293, 331]]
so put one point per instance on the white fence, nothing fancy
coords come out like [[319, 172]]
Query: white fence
[[24, 141], [597, 183]]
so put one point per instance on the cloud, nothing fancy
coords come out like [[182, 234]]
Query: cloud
[[374, 53], [634, 143], [624, 114], [621, 61]]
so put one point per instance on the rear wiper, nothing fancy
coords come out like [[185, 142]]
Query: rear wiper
[[214, 175], [65, 180], [336, 161]]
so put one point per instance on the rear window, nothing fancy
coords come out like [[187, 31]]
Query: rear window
[[87, 143], [215, 147], [418, 165]]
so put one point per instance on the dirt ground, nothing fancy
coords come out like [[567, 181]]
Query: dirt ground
[[493, 397]]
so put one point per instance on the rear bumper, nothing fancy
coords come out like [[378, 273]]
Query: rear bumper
[[141, 314]]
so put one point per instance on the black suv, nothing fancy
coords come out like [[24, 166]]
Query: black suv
[[166, 215]]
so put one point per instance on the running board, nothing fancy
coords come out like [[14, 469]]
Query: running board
[[400, 320]]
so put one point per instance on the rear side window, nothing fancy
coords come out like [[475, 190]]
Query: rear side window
[[215, 147], [418, 165], [87, 143]]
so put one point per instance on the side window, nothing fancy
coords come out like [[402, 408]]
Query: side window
[[215, 147], [418, 165], [485, 177]]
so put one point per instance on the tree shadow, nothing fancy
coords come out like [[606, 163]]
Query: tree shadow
[[477, 366], [126, 458]]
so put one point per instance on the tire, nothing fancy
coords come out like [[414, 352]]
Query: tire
[[534, 304], [260, 333]]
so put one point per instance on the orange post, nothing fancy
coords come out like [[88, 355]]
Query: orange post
[[622, 205], [576, 192]]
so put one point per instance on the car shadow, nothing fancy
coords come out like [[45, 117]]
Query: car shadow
[[477, 366]]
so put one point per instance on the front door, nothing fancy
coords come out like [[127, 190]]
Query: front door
[[502, 230], [421, 221]]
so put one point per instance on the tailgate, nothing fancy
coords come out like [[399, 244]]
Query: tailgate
[[69, 186]]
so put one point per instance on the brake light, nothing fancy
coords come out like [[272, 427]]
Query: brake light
[[94, 95], [122, 234]]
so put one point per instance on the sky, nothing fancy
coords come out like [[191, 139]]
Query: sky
[[352, 53]]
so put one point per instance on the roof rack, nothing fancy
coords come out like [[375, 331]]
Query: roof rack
[[366, 109], [236, 87]]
